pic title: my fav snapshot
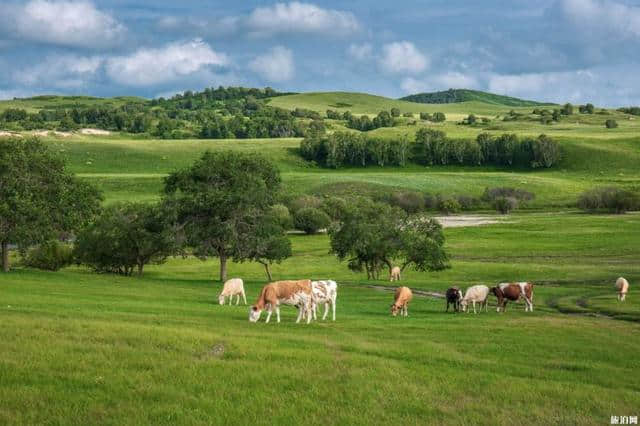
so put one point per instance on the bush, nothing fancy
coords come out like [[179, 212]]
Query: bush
[[409, 201], [467, 202], [611, 124], [491, 194], [505, 205], [334, 207], [49, 256], [448, 205], [304, 201], [612, 199], [311, 220], [281, 214]]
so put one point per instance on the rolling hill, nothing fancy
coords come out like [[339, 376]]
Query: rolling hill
[[465, 95]]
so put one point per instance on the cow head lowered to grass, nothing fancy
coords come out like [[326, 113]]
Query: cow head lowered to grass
[[295, 293]]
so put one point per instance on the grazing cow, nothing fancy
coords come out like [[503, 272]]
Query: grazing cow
[[454, 296], [475, 294], [622, 286], [395, 274], [401, 301], [295, 293], [514, 291], [324, 292], [232, 287]]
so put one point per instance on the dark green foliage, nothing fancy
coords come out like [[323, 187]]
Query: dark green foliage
[[447, 205], [268, 242], [611, 124], [436, 117], [343, 148], [219, 200], [567, 109], [311, 220], [467, 202], [49, 256], [395, 112], [128, 235], [491, 194], [409, 201], [280, 213], [505, 205], [634, 110], [334, 115], [611, 199], [465, 95], [39, 198], [373, 235], [586, 109], [407, 114]]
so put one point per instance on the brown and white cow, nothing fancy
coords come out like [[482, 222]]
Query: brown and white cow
[[514, 291], [295, 293], [401, 300]]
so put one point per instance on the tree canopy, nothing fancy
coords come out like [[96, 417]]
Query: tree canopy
[[39, 198]]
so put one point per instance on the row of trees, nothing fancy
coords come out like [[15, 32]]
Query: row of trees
[[431, 147]]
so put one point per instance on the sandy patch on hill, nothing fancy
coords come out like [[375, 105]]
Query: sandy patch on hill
[[99, 132], [469, 220], [4, 134]]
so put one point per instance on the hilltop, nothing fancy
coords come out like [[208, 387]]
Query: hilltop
[[466, 95]]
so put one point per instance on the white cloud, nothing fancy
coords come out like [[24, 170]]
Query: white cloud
[[448, 80], [276, 65], [360, 52], [603, 16], [296, 17], [572, 86], [150, 66], [403, 57], [71, 23], [65, 71]]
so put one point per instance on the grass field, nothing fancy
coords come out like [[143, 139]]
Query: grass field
[[85, 348]]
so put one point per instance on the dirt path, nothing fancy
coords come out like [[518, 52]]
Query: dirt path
[[470, 220]]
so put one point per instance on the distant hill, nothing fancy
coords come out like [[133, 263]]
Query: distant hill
[[465, 95]]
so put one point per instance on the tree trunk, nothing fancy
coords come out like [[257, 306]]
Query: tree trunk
[[268, 271], [140, 268], [223, 267], [5, 256]]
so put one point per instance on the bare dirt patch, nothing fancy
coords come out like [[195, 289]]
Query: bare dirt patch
[[98, 132], [4, 134], [45, 133], [469, 220]]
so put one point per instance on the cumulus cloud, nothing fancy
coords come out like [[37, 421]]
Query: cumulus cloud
[[437, 82], [603, 16], [403, 57], [360, 52], [61, 71], [151, 66], [562, 86], [296, 17], [69, 23], [276, 65]]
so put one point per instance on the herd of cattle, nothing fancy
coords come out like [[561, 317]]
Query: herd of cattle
[[307, 295]]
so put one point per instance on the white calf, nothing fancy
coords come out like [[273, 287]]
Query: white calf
[[475, 294], [232, 287]]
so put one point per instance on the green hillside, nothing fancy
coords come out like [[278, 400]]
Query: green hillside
[[465, 95]]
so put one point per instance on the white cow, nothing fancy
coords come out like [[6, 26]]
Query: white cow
[[622, 285], [232, 287], [324, 292], [475, 294]]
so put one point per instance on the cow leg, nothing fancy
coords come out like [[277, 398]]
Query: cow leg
[[623, 296], [474, 306], [299, 314], [244, 297], [326, 311], [308, 309], [406, 309], [237, 299], [269, 312], [333, 308]]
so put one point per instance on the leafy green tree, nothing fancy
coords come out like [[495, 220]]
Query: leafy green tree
[[311, 220], [567, 109], [373, 235], [611, 124], [267, 243], [127, 236], [217, 199], [39, 198], [395, 112]]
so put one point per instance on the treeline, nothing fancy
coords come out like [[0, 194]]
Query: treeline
[[430, 147], [634, 110]]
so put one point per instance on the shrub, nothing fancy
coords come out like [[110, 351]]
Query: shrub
[[448, 205], [409, 201], [281, 214], [611, 124], [490, 194], [334, 207], [49, 256], [505, 205], [311, 220], [467, 202], [612, 199]]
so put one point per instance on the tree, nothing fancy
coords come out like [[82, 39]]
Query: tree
[[567, 109], [218, 199], [127, 236], [268, 243], [311, 220], [395, 112], [372, 235], [39, 198], [611, 124]]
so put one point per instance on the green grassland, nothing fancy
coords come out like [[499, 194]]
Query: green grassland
[[85, 348], [53, 101]]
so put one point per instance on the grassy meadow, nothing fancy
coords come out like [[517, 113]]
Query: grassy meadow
[[85, 348]]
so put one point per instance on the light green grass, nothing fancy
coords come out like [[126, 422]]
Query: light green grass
[[85, 348]]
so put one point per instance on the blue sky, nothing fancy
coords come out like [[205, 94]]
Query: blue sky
[[553, 50]]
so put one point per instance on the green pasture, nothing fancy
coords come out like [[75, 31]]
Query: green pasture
[[84, 348]]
